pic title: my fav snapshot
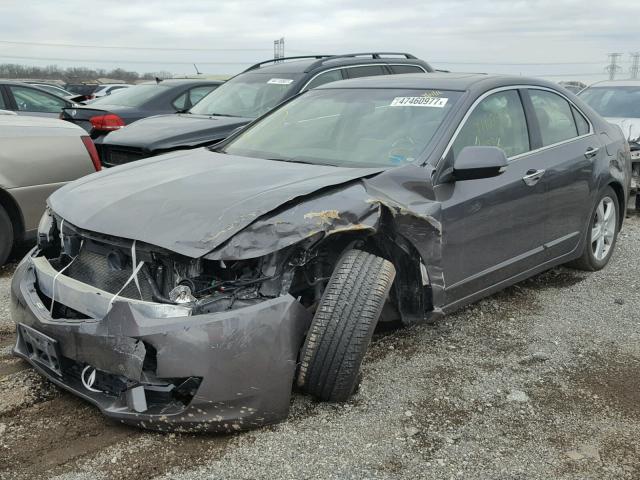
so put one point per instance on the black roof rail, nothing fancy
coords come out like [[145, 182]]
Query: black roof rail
[[373, 55], [276, 60]]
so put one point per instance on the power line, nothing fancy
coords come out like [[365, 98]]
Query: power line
[[124, 47], [147, 62]]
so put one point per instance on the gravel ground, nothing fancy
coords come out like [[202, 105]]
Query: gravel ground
[[539, 381]]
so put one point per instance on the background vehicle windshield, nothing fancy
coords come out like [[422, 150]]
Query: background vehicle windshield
[[349, 127], [130, 97], [247, 95], [613, 101]]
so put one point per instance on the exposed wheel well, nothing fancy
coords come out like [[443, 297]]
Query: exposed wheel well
[[621, 203], [11, 207]]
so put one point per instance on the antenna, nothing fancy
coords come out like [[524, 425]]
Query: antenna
[[278, 48], [197, 71], [635, 65], [613, 66]]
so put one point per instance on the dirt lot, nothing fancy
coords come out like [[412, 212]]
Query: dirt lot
[[540, 381]]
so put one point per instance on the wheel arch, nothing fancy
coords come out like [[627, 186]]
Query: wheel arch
[[619, 191], [15, 214]]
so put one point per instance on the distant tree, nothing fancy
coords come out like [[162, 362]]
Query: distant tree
[[74, 74]]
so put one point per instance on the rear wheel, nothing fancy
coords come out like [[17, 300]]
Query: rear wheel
[[343, 324], [602, 233], [6, 236]]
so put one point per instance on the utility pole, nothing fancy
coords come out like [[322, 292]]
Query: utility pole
[[278, 48], [613, 66], [635, 65]]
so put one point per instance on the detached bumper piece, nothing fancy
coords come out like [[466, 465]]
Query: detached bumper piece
[[154, 365]]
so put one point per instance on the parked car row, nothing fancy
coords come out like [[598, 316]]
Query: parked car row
[[303, 205]]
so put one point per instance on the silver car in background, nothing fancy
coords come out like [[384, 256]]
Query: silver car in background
[[37, 156], [619, 103]]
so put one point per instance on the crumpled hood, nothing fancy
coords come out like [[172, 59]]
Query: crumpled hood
[[630, 127], [190, 202], [164, 132]]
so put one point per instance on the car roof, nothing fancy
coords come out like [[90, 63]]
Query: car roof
[[616, 83], [440, 81], [325, 62]]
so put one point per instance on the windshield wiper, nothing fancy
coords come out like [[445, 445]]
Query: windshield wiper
[[218, 115], [291, 160]]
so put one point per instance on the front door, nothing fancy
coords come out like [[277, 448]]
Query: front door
[[492, 228]]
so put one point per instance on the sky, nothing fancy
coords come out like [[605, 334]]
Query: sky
[[556, 39]]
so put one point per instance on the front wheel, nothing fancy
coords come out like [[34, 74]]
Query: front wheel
[[343, 324], [602, 233]]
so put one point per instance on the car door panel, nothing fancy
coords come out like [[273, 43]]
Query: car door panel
[[567, 154], [493, 228]]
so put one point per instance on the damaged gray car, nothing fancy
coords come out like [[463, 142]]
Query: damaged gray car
[[194, 290]]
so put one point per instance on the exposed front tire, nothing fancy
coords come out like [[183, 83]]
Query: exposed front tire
[[343, 324], [602, 233], [6, 236]]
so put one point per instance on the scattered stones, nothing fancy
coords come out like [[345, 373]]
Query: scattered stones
[[518, 396]]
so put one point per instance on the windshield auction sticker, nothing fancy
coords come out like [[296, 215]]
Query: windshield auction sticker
[[280, 81], [435, 102]]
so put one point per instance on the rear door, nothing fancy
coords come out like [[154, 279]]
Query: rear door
[[567, 150], [35, 102], [493, 228]]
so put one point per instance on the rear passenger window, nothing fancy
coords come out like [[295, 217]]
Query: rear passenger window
[[326, 77], [497, 121], [406, 69], [581, 122], [365, 71], [554, 117]]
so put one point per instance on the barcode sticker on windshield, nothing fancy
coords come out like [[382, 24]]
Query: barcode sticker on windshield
[[280, 81], [436, 102]]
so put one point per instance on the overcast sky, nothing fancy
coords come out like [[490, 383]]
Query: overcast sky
[[568, 39]]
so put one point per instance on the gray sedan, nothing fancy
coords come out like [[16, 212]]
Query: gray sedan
[[192, 290], [37, 156]]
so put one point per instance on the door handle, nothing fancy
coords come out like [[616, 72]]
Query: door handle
[[591, 152], [532, 177]]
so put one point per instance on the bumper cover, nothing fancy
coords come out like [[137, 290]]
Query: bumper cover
[[243, 360]]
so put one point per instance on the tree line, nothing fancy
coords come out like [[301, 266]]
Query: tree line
[[74, 74]]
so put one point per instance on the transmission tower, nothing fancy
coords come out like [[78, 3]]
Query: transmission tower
[[278, 48], [635, 65], [613, 66]]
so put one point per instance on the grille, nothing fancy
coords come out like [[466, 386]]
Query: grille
[[92, 268], [118, 156]]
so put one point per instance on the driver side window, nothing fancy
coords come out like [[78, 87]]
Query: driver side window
[[497, 121]]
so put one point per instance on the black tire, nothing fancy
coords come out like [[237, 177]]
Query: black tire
[[343, 324], [587, 260], [6, 236]]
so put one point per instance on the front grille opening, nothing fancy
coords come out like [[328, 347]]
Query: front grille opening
[[60, 311]]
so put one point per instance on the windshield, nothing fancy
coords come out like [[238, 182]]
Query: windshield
[[130, 97], [613, 101], [248, 95], [349, 127]]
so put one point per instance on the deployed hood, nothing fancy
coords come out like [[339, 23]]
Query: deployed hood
[[165, 132], [194, 204], [630, 127]]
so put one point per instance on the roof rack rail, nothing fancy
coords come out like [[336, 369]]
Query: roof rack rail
[[275, 60], [373, 55]]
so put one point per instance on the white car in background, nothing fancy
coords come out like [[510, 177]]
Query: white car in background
[[108, 89], [618, 101]]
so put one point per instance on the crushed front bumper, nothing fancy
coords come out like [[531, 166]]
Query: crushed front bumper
[[221, 372]]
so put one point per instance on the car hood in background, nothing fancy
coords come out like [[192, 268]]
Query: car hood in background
[[191, 202], [630, 127], [166, 132]]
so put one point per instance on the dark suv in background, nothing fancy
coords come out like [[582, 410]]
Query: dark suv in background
[[244, 98]]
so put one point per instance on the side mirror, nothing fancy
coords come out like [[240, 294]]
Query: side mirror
[[473, 163]]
